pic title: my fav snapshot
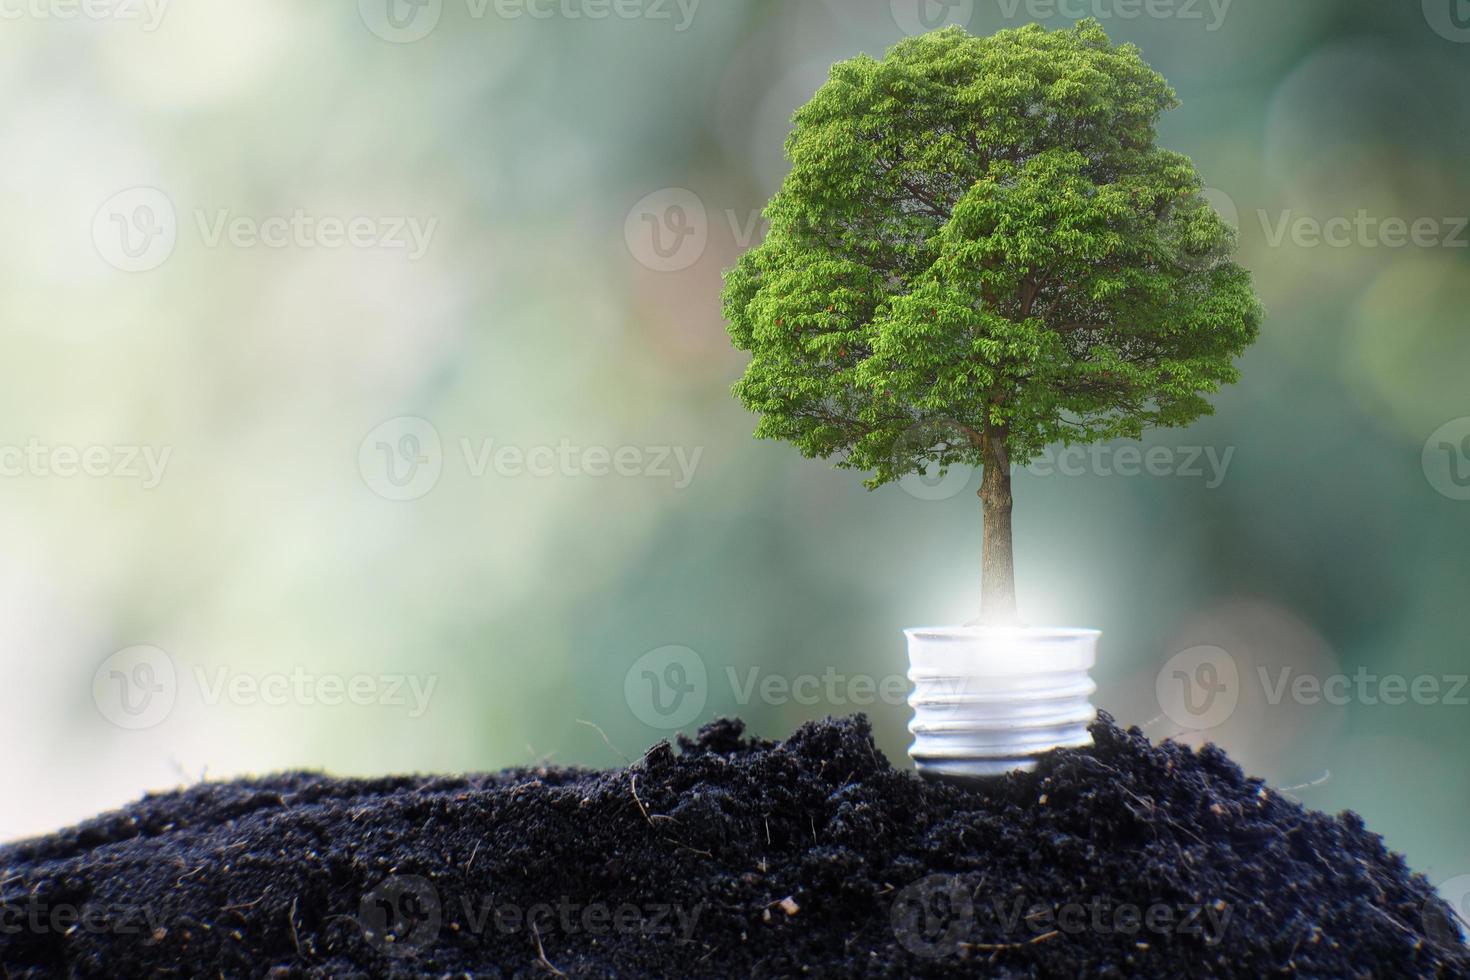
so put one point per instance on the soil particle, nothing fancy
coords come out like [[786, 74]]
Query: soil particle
[[732, 857]]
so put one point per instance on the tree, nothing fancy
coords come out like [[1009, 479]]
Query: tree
[[980, 251]]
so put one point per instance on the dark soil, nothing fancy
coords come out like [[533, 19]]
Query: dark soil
[[731, 857]]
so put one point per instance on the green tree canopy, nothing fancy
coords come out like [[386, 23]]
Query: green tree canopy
[[979, 251]]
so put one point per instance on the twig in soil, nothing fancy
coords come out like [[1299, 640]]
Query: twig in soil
[[184, 878], [650, 817], [543, 759], [633, 785], [1326, 775], [541, 959], [247, 905], [596, 728], [291, 918], [1000, 947], [189, 779], [1173, 734], [1392, 921]]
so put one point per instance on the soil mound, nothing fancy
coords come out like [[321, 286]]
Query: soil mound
[[731, 857]]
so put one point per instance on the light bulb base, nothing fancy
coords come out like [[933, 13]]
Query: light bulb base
[[992, 700]]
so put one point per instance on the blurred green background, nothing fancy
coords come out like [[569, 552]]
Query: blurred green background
[[580, 172]]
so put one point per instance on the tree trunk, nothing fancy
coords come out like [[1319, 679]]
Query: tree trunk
[[997, 563]]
